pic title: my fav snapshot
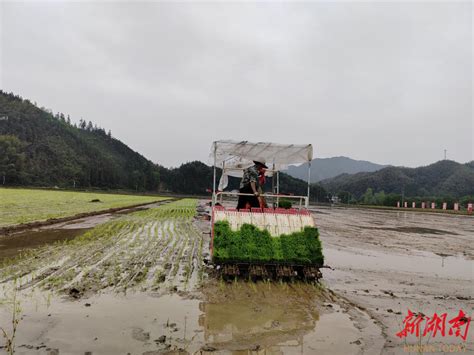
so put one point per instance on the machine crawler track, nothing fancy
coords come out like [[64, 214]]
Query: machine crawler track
[[269, 271]]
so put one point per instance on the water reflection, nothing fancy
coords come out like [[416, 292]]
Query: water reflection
[[259, 316]]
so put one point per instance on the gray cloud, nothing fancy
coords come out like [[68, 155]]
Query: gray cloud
[[387, 82]]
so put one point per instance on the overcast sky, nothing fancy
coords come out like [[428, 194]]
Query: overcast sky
[[389, 82]]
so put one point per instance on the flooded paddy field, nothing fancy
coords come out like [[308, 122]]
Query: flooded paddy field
[[389, 262], [14, 243], [141, 283]]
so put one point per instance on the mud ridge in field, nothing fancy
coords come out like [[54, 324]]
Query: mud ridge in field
[[7, 230], [416, 230], [151, 250]]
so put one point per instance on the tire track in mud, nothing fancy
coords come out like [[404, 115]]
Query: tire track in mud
[[149, 250]]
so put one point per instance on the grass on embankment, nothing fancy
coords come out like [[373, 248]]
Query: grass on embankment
[[28, 205]]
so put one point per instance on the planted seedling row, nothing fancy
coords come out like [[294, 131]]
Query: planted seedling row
[[119, 252]]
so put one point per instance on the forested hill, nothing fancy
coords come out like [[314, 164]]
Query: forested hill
[[444, 178], [38, 148]]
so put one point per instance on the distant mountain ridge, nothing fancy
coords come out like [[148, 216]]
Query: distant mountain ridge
[[443, 178], [325, 168]]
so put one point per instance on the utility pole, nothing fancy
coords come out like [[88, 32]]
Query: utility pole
[[445, 154]]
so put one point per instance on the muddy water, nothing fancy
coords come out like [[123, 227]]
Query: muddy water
[[228, 319], [13, 245], [276, 318], [422, 262]]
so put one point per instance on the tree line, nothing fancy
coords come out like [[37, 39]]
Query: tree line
[[390, 199]]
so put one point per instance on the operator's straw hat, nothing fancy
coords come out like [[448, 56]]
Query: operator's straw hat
[[261, 162]]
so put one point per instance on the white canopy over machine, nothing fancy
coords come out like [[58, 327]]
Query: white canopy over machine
[[235, 156]]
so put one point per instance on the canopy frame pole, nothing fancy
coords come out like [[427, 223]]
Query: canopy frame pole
[[273, 184], [309, 182], [278, 189], [214, 180], [223, 169]]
